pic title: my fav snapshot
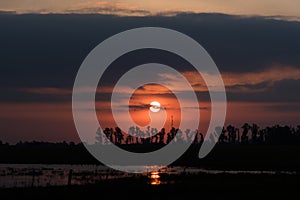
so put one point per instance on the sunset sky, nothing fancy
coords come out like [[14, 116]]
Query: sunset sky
[[255, 44], [144, 7]]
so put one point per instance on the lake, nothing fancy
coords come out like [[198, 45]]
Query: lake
[[33, 175]]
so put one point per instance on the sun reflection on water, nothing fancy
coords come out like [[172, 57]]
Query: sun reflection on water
[[154, 178]]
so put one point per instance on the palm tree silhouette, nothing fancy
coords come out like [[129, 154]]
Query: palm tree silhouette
[[244, 139]]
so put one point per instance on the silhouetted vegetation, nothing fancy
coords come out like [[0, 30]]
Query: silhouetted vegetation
[[248, 147], [247, 134]]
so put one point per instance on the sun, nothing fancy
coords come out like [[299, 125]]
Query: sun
[[155, 106]]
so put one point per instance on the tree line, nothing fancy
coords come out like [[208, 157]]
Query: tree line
[[247, 134]]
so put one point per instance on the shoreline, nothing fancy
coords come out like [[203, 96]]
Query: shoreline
[[223, 156]]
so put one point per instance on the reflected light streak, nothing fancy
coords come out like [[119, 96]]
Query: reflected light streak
[[154, 178]]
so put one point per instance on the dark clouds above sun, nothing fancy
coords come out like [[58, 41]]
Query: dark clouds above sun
[[254, 54]]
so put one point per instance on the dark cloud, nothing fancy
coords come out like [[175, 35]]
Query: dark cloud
[[109, 9], [281, 91], [197, 85], [138, 106], [268, 91], [3, 12], [250, 87], [141, 106], [294, 108], [200, 108], [15, 95], [47, 50]]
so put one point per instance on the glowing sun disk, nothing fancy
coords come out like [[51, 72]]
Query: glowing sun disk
[[154, 106]]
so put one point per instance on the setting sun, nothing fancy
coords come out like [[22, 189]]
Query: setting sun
[[154, 106]]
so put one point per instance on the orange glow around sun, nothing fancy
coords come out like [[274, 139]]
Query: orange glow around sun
[[155, 98]]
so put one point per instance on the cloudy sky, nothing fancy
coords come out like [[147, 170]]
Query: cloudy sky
[[255, 45]]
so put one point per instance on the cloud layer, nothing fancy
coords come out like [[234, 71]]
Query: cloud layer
[[42, 53]]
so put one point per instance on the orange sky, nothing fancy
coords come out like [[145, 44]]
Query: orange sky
[[54, 122], [145, 7]]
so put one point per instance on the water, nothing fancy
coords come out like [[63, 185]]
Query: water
[[32, 175], [28, 175]]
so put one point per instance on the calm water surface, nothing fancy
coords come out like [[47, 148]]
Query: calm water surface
[[31, 175]]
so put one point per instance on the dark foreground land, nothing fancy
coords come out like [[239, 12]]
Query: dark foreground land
[[223, 156], [184, 186]]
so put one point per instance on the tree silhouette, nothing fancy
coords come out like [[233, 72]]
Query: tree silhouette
[[244, 138], [230, 135], [223, 137], [254, 130]]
